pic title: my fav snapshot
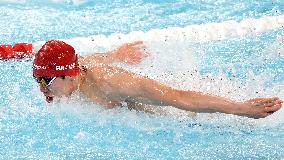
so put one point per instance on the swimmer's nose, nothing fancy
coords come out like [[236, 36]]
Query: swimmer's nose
[[43, 89]]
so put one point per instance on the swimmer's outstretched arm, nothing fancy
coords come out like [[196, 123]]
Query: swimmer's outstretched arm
[[130, 53], [144, 90]]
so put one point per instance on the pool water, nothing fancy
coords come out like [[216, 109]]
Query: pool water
[[238, 66]]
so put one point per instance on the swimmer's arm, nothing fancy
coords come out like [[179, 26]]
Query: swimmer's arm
[[105, 58], [153, 92], [162, 111], [130, 53], [148, 91]]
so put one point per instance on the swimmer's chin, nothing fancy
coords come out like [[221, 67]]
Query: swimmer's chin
[[49, 99]]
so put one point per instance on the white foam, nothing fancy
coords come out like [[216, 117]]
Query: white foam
[[276, 48], [190, 34], [168, 46]]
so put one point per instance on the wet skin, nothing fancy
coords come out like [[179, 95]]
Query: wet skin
[[110, 86]]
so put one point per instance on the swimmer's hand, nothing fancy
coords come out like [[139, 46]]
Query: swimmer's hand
[[261, 107], [131, 53]]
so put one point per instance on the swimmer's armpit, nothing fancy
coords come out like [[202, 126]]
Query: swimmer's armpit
[[157, 110]]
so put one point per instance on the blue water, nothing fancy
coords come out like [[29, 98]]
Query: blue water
[[37, 20], [238, 68]]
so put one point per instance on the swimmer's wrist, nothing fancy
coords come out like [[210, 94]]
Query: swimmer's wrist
[[241, 109], [231, 107]]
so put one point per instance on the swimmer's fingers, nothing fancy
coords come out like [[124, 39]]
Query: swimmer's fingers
[[271, 103], [280, 101], [144, 52], [137, 46], [273, 108], [264, 101], [261, 101], [142, 49]]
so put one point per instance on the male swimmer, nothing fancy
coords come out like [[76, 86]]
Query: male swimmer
[[60, 72]]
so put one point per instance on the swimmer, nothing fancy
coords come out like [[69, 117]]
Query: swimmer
[[60, 72]]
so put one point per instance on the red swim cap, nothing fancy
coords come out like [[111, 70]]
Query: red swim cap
[[56, 58]]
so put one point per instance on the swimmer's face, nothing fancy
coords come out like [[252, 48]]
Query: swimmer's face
[[59, 87]]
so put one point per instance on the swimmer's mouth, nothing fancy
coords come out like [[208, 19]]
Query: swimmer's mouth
[[49, 99]]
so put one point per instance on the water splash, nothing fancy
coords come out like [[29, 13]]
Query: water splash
[[75, 127]]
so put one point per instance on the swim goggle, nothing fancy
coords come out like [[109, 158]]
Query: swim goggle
[[45, 81]]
